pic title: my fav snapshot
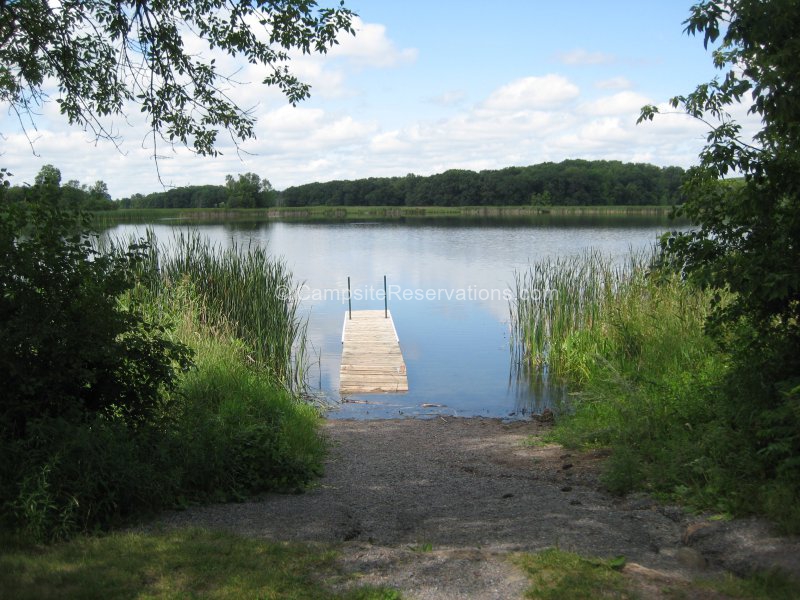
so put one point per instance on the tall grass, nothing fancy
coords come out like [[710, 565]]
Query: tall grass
[[243, 287], [239, 430], [558, 297], [629, 342]]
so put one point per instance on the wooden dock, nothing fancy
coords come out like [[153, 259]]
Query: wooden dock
[[372, 362]]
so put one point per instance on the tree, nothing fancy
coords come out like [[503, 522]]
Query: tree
[[748, 233], [69, 348], [745, 198], [48, 175], [105, 54], [248, 191]]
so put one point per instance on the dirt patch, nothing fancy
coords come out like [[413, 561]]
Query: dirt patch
[[433, 507]]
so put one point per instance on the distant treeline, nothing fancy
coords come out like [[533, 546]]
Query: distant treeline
[[571, 182], [73, 193], [244, 191], [568, 183]]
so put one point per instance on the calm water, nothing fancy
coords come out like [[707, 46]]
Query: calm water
[[448, 287]]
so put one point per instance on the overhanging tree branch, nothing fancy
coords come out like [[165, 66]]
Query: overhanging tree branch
[[87, 47]]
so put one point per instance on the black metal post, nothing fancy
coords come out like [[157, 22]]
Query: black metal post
[[349, 302], [385, 300]]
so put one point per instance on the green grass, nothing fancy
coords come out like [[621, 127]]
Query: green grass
[[243, 288], [555, 298], [630, 344], [773, 585], [174, 564], [647, 381], [556, 575], [239, 431]]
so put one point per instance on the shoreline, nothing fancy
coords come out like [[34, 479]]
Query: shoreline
[[348, 213]]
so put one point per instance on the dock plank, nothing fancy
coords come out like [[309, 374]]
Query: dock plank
[[372, 361]]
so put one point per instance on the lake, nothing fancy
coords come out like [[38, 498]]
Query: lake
[[448, 282]]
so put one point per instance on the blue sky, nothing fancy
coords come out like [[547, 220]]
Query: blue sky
[[428, 86]]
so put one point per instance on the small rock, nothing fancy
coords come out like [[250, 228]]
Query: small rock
[[508, 496], [566, 488], [566, 466]]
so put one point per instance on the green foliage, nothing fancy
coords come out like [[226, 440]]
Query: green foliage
[[72, 476], [553, 299], [238, 430], [101, 417], [227, 431], [648, 381], [243, 288], [248, 191], [186, 563], [557, 574], [71, 195], [770, 585], [105, 54], [569, 183], [746, 239], [69, 348]]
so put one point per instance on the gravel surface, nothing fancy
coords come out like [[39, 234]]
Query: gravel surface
[[433, 507]]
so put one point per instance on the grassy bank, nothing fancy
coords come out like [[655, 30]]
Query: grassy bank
[[647, 381], [241, 288], [337, 213], [232, 427]]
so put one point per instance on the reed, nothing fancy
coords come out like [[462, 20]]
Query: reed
[[243, 287], [558, 297]]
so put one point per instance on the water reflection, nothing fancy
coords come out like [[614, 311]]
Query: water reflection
[[449, 286]]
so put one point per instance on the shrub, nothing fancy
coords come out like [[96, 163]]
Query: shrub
[[69, 349], [102, 418]]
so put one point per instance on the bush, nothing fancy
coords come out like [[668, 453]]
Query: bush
[[103, 419], [69, 349]]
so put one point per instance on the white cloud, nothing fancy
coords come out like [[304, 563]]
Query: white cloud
[[532, 93], [291, 120], [621, 103], [582, 57], [388, 142], [372, 47]]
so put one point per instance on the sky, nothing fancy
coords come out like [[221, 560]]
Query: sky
[[425, 86]]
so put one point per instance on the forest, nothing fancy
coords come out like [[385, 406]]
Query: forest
[[71, 194], [244, 191], [571, 182]]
